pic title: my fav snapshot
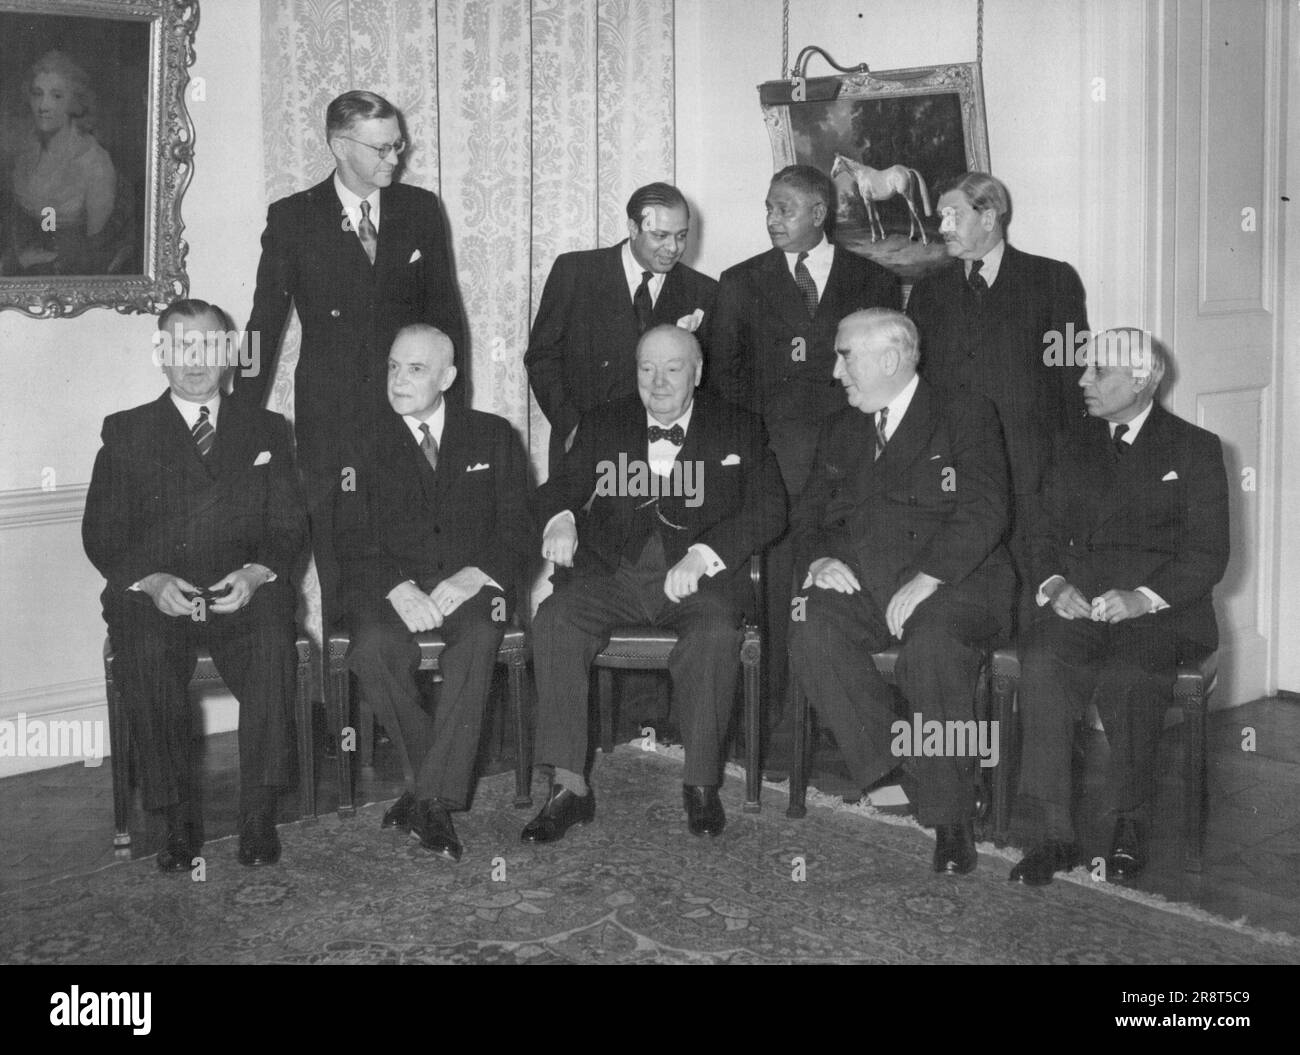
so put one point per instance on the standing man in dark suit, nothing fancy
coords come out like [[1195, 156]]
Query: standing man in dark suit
[[772, 349], [897, 537], [434, 536], [995, 323], [359, 256], [683, 490], [194, 519], [1131, 540], [598, 303]]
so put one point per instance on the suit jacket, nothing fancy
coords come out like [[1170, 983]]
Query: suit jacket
[[156, 505], [1157, 518], [997, 351], [738, 509], [350, 310], [404, 521], [756, 357], [936, 501], [582, 349]]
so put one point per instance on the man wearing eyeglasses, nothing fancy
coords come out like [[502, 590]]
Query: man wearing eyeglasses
[[358, 256]]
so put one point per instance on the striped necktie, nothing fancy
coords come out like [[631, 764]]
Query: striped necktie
[[367, 233], [882, 416], [203, 432]]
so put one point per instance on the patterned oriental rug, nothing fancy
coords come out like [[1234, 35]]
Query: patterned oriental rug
[[634, 887]]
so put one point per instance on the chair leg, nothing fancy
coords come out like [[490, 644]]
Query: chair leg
[[799, 761], [517, 688], [751, 653], [306, 756], [1194, 780], [606, 702], [119, 744], [340, 705]]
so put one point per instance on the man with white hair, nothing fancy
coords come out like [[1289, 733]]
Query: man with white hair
[[897, 538], [1130, 540]]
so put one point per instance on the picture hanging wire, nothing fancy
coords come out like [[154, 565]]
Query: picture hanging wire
[[800, 63]]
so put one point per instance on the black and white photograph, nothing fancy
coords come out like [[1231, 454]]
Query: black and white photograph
[[649, 482]]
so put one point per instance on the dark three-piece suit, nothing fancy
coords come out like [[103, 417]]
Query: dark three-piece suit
[[156, 505]]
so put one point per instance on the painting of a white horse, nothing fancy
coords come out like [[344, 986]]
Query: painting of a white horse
[[878, 185]]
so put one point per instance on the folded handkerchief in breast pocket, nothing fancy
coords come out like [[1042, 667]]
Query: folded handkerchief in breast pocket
[[478, 467], [262, 458], [1170, 475], [731, 459], [415, 256]]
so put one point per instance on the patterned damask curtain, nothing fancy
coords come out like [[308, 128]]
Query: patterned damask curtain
[[533, 119]]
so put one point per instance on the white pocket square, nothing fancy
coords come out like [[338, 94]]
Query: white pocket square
[[415, 256], [1170, 475], [478, 467], [263, 458], [731, 459], [935, 457], [690, 323]]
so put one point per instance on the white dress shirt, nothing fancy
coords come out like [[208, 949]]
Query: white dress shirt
[[819, 261], [632, 271], [352, 204], [992, 264], [190, 411], [436, 422]]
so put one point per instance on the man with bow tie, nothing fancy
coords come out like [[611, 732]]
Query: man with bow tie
[[433, 534], [1130, 540], [194, 518], [898, 538], [597, 303], [655, 553]]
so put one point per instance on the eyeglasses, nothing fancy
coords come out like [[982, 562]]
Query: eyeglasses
[[383, 150]]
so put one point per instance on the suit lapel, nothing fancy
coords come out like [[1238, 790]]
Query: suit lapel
[[453, 452], [389, 253], [906, 444], [178, 450], [782, 293], [341, 241], [612, 297]]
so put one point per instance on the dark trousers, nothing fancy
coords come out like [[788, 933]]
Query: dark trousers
[[778, 589], [937, 672], [574, 624], [1127, 669], [439, 750], [154, 657]]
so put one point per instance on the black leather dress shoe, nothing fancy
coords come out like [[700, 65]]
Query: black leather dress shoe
[[177, 854], [954, 848], [432, 823], [562, 811], [1128, 850], [704, 813], [258, 842], [399, 814], [1042, 862]]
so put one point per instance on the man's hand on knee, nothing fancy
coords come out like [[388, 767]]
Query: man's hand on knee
[[560, 542], [415, 607], [904, 602], [683, 578], [456, 589], [828, 573]]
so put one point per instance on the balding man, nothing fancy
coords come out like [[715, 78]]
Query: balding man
[[682, 491], [993, 324], [897, 538], [598, 303], [433, 533], [1131, 540]]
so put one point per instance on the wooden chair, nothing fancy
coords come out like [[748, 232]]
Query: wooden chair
[[513, 653], [205, 674], [1194, 683], [648, 648], [885, 663]]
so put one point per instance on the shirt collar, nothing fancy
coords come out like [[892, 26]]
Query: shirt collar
[[992, 262], [819, 255], [190, 411], [684, 421], [1134, 424], [632, 272], [436, 422], [898, 406], [352, 203]]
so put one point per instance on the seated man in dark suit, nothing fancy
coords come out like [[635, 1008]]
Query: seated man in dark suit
[[1130, 540], [897, 537], [682, 491], [195, 519], [434, 536], [597, 304]]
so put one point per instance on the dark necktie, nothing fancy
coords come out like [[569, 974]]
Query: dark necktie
[[804, 280], [676, 435], [976, 281], [367, 233], [1121, 448], [203, 432], [881, 417], [642, 304], [430, 447]]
